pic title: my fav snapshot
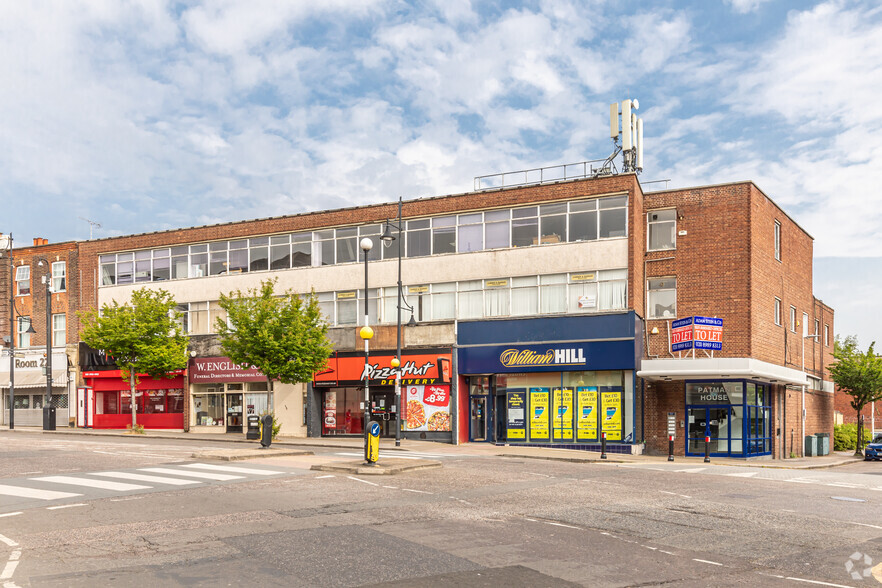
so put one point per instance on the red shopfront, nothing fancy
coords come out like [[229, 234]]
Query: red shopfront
[[425, 386], [159, 402]]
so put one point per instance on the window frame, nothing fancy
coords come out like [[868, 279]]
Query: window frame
[[650, 223], [24, 338], [26, 280], [650, 315], [62, 278], [826, 335], [792, 318], [778, 312], [56, 330], [778, 240]]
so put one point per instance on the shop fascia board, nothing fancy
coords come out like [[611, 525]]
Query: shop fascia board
[[720, 367]]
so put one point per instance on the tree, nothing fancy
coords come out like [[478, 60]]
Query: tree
[[859, 375], [284, 336], [143, 337]]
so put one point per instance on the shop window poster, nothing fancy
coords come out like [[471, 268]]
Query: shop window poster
[[586, 422], [428, 408], [612, 415], [517, 421], [539, 414], [563, 414]]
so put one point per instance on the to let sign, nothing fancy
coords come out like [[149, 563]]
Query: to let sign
[[697, 332]]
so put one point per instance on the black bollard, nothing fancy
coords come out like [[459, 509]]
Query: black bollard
[[603, 446], [670, 448], [707, 450]]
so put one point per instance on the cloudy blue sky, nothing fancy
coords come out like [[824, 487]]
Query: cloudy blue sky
[[145, 115]]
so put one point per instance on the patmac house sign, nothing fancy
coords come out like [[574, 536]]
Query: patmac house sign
[[222, 369]]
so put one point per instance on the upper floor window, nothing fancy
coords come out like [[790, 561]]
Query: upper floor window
[[555, 222], [778, 240], [817, 327], [59, 330], [23, 280], [24, 338], [662, 229], [826, 335], [778, 311], [661, 297], [793, 318], [59, 276], [805, 324]]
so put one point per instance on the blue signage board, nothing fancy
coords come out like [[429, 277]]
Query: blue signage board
[[697, 332], [547, 357]]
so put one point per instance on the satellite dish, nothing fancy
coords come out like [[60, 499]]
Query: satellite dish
[[635, 104]]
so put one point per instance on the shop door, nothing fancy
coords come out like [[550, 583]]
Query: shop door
[[499, 419], [234, 413], [714, 422], [478, 428], [381, 411]]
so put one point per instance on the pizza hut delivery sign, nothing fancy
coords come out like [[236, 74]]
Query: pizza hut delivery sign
[[697, 332]]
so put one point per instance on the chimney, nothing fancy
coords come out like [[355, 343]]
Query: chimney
[[40, 241]]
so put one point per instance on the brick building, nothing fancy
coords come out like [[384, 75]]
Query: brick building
[[536, 307], [38, 272]]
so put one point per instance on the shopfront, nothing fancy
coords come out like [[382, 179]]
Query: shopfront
[[549, 381], [734, 415], [159, 402], [30, 388], [425, 387], [224, 394]]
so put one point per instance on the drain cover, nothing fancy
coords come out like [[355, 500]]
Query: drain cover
[[848, 499]]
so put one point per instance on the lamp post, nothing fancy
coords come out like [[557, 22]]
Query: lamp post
[[6, 244], [366, 334], [48, 420], [804, 337], [388, 237]]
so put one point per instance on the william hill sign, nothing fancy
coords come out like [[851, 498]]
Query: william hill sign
[[511, 358]]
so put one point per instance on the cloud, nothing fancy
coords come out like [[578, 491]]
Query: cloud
[[745, 6]]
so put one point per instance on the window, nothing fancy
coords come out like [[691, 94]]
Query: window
[[24, 338], [59, 284], [143, 266], [496, 297], [826, 335], [583, 292], [419, 238], [59, 330], [817, 327], [23, 280], [805, 323], [662, 298], [553, 293], [179, 262], [496, 229], [778, 240], [471, 232], [259, 253], [347, 308], [793, 318], [553, 223], [323, 253], [347, 245], [217, 258], [613, 289], [238, 257], [183, 317], [161, 265], [198, 261], [524, 296], [444, 301], [661, 226], [613, 217], [583, 221], [778, 311], [444, 235], [471, 297], [280, 252], [524, 226], [108, 269], [301, 250]]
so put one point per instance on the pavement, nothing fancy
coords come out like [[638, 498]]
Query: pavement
[[835, 459]]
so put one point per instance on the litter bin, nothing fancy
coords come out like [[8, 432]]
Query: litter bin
[[48, 418], [253, 431], [811, 445], [823, 443]]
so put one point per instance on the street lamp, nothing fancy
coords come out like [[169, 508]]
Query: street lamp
[[387, 238], [804, 337], [366, 334], [48, 417]]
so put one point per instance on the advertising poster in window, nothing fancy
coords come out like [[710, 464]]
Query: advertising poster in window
[[586, 414], [563, 414], [428, 408], [612, 415], [329, 421], [539, 414], [517, 415]]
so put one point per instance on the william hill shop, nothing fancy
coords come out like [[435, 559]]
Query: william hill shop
[[561, 381], [425, 389]]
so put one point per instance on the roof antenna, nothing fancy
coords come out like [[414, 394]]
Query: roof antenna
[[92, 224], [631, 133]]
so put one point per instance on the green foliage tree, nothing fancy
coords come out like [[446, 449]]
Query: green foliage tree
[[143, 336], [284, 336], [858, 374]]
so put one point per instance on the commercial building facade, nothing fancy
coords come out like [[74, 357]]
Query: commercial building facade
[[586, 275]]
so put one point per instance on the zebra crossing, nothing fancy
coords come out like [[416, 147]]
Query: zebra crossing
[[39, 490]]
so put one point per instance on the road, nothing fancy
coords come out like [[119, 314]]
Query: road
[[478, 521]]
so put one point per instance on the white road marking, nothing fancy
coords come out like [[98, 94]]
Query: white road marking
[[666, 492], [533, 520], [362, 481], [814, 582], [9, 570], [34, 493], [804, 480], [89, 483], [65, 506], [146, 478], [233, 469], [865, 525], [742, 475], [381, 456], [713, 563], [8, 541], [844, 485], [666, 552], [648, 547], [417, 491], [10, 514], [691, 470], [325, 476], [205, 475], [560, 525], [535, 474], [126, 498]]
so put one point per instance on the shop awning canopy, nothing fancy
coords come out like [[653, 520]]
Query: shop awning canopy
[[35, 379], [704, 368]]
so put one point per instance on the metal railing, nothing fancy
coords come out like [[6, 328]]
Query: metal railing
[[542, 175]]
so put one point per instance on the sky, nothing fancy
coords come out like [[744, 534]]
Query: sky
[[146, 115]]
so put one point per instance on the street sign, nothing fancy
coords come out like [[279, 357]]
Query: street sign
[[372, 449], [672, 424], [697, 332]]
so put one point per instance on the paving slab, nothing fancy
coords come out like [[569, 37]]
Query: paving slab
[[243, 454], [386, 466]]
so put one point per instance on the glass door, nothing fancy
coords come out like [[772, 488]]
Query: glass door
[[478, 428], [716, 422], [234, 413]]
